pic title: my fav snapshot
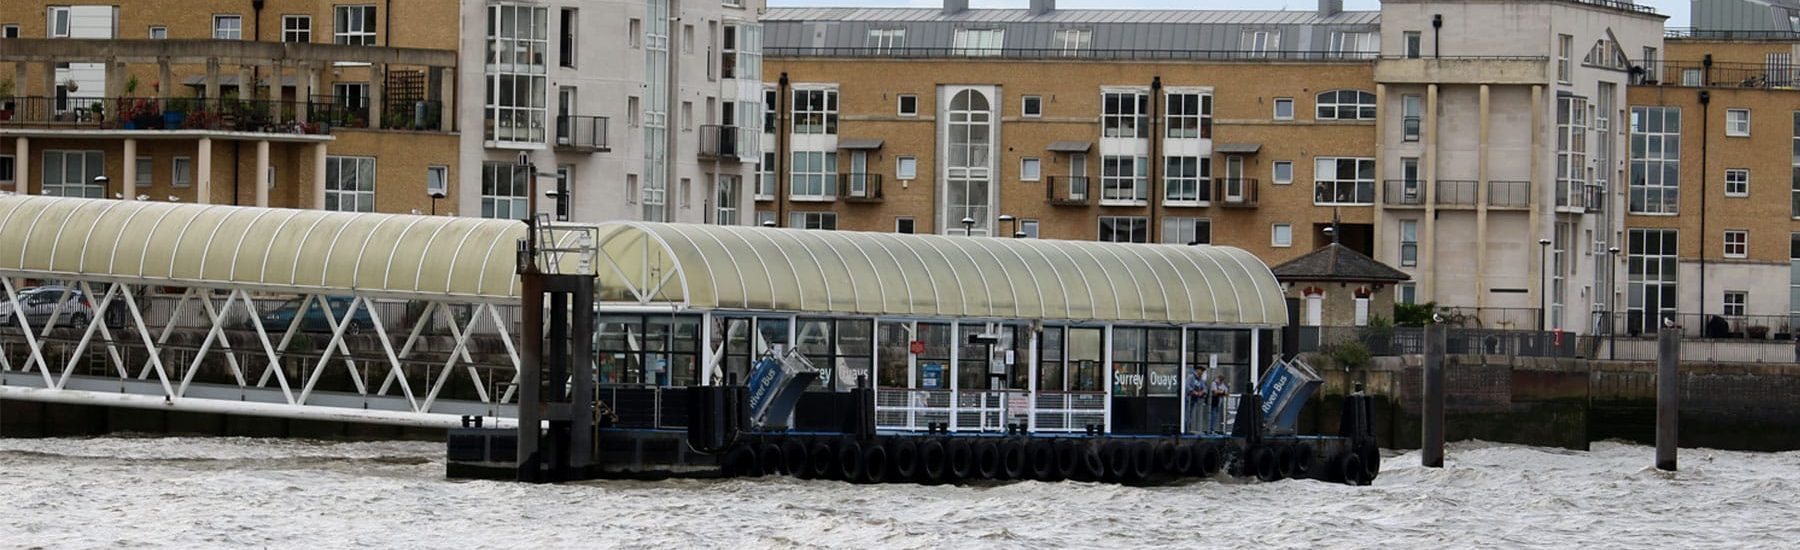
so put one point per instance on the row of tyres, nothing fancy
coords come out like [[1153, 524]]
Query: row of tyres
[[951, 459]]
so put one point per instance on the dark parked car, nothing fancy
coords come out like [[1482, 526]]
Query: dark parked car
[[313, 320]]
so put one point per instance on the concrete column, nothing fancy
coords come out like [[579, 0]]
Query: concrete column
[[318, 198], [165, 79], [246, 86], [1380, 174], [1431, 449], [274, 71], [377, 93], [452, 83], [1428, 256], [1538, 190], [203, 169], [22, 166], [302, 91], [261, 176], [1668, 396], [50, 91], [1481, 202], [212, 78], [128, 173], [114, 81]]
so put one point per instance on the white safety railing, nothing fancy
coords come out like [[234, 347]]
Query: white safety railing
[[903, 409], [1069, 411]]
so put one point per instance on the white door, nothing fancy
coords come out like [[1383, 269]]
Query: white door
[[1315, 310], [1078, 183], [859, 174], [1234, 179]]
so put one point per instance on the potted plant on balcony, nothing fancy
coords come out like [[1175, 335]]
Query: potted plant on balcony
[[1757, 332], [175, 113]]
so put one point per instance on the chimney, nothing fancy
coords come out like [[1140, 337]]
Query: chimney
[[953, 7], [1041, 7], [1328, 8]]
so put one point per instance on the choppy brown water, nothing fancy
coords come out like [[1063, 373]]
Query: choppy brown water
[[180, 492]]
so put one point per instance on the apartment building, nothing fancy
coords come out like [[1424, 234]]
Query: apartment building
[[426, 106]]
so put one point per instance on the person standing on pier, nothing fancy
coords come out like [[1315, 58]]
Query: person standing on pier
[[1198, 405]]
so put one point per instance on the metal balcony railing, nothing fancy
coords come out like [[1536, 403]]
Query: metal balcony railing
[[1596, 198], [582, 133], [860, 187], [149, 114], [1456, 193], [1509, 194], [1235, 192], [721, 141], [1403, 192], [1571, 195], [1066, 190]]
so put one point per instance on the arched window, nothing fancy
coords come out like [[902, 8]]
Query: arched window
[[1346, 105], [967, 172]]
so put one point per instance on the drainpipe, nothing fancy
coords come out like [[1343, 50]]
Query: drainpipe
[[1156, 97], [1705, 128], [256, 6], [781, 150], [1437, 35]]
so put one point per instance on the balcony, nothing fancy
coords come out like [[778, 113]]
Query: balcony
[[1570, 197], [1403, 192], [1457, 193], [1066, 190], [1235, 192], [1506, 194], [1506, 70], [153, 114], [581, 134], [728, 142], [860, 187], [1596, 198]]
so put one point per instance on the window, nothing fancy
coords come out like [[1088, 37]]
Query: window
[[567, 47], [1655, 186], [632, 112], [1353, 45], [687, 116], [1565, 46], [146, 171], [1346, 105], [350, 184], [979, 42], [1031, 106], [565, 191], [1122, 179], [813, 220], [815, 111], [1070, 42], [1651, 278], [909, 105], [8, 164], [1650, 63], [903, 225], [634, 33], [353, 96], [906, 168], [1737, 182], [1343, 180], [225, 27], [181, 172], [1029, 228], [1125, 115], [505, 191], [631, 189], [59, 22], [1737, 243], [765, 177], [1692, 77], [1571, 149], [1409, 243], [886, 40], [1029, 169], [1408, 293], [296, 28], [1737, 122], [517, 96], [687, 38], [1260, 43], [158, 32], [1735, 301], [742, 53], [728, 199], [12, 31], [814, 175], [1284, 108], [1190, 115], [1412, 111], [1284, 172], [1124, 229], [437, 180], [1187, 180], [355, 25], [1412, 43], [1187, 231], [1281, 235]]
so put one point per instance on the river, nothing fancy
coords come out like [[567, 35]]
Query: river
[[226, 492]]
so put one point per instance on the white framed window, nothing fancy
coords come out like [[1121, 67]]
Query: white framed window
[[1650, 62], [8, 165], [1407, 293], [1029, 228], [904, 225], [1409, 243], [1124, 229], [633, 113], [765, 177], [687, 116], [355, 25], [1284, 108], [1123, 179], [1187, 180], [1283, 172], [1281, 235], [1125, 114], [687, 39], [437, 180], [1737, 182], [815, 111], [350, 184], [1343, 181], [1571, 149], [181, 172], [517, 98], [1735, 302], [506, 193], [157, 32], [979, 42], [1189, 115], [1070, 42], [886, 40], [146, 172], [1412, 44], [296, 28], [1031, 106], [1412, 117], [228, 27], [1346, 105], [1737, 122], [1030, 169], [1258, 43], [1354, 45], [906, 168], [1565, 47], [1187, 230], [1655, 184], [813, 175], [813, 220], [72, 173], [568, 48], [908, 105], [727, 199], [1692, 78], [634, 33], [57, 23], [1737, 243]]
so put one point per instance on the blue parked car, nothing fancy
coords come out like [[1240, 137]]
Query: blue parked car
[[278, 319]]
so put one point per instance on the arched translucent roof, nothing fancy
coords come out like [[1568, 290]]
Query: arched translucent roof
[[302, 250], [718, 267]]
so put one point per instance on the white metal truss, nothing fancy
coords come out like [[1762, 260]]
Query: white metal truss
[[267, 377]]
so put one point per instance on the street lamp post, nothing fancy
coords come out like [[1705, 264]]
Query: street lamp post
[[968, 226], [1612, 275], [1010, 221], [1544, 285], [435, 195], [104, 183]]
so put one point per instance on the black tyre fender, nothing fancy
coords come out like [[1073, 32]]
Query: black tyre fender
[[1043, 460], [1284, 460], [1013, 462], [1068, 459], [1303, 461], [740, 462], [1350, 469], [1264, 463], [987, 459], [931, 461], [794, 458], [850, 460], [1093, 466], [1165, 457], [1118, 460], [905, 457], [875, 463], [768, 455], [961, 458], [1209, 460], [1371, 462], [1143, 461], [1181, 461], [822, 460]]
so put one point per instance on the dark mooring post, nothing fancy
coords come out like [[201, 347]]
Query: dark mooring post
[[1668, 396], [531, 359], [1432, 449]]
